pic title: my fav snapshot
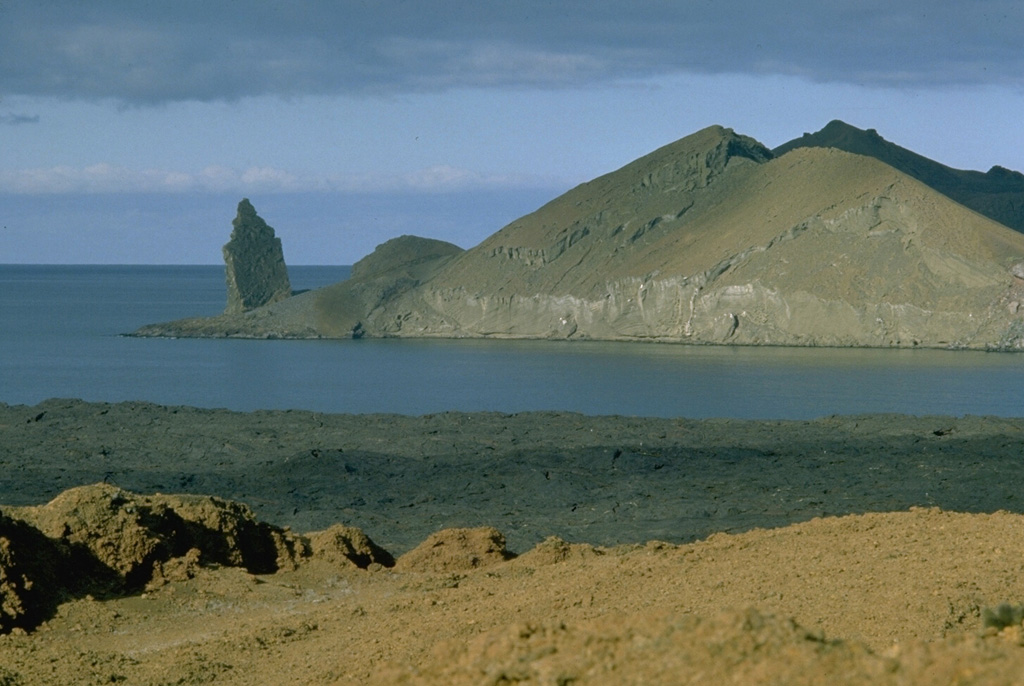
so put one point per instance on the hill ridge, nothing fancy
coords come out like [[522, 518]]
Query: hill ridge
[[997, 193]]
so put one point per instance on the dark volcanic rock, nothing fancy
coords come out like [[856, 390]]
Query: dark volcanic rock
[[254, 263]]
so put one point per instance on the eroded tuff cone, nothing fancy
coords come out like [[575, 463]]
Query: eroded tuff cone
[[254, 263]]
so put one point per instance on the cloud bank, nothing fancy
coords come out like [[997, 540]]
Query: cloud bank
[[16, 119], [149, 53], [108, 178]]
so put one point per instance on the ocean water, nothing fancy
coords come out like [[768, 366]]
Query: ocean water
[[60, 336]]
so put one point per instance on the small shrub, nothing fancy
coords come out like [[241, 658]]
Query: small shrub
[[1002, 616]]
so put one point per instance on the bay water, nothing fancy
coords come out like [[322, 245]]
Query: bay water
[[61, 326]]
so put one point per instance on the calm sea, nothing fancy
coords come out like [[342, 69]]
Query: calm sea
[[60, 326]]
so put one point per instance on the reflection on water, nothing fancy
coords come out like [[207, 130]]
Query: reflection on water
[[624, 378], [58, 326]]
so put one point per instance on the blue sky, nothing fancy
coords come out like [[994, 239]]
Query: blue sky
[[129, 131]]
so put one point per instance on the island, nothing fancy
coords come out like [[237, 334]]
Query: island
[[712, 239]]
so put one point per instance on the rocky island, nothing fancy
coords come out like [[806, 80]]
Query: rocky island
[[713, 239]]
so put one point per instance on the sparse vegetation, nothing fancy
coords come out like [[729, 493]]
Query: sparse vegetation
[[1002, 616]]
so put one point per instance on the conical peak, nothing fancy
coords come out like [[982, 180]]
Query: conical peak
[[246, 210], [695, 160], [737, 145], [842, 129], [839, 134], [840, 126], [248, 225], [720, 141]]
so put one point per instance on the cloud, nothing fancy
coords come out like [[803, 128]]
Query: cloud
[[15, 119], [108, 178], [96, 178], [147, 53]]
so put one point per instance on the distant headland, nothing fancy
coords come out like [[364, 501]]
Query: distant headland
[[837, 238]]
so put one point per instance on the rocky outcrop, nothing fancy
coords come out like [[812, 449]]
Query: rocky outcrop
[[29, 592], [457, 550], [337, 311], [103, 541], [254, 263], [120, 541]]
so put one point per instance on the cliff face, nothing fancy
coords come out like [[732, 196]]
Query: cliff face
[[711, 239], [254, 263]]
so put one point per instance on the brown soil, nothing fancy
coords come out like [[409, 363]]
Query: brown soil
[[102, 585]]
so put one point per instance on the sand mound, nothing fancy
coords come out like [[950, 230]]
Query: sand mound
[[456, 550], [553, 550], [742, 647], [103, 541], [923, 596], [124, 539], [347, 545]]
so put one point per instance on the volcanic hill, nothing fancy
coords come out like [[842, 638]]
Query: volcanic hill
[[711, 239], [998, 193]]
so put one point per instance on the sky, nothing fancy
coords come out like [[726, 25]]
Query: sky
[[129, 130]]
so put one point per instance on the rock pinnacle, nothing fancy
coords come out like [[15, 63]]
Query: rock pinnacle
[[254, 263]]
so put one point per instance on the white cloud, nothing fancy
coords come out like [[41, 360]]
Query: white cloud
[[477, 63], [268, 178], [108, 178], [95, 178]]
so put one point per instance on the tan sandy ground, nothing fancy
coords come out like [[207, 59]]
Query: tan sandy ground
[[876, 598]]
